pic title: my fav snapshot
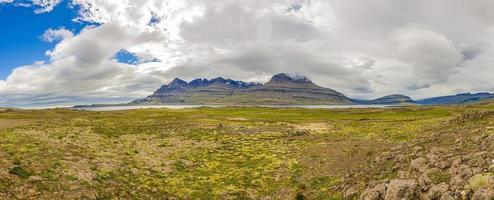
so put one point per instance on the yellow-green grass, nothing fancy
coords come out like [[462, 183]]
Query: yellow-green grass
[[202, 153]]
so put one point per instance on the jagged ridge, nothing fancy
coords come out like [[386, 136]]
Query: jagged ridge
[[282, 89]]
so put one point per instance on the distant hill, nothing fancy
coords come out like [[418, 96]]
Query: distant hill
[[282, 89], [463, 98], [388, 100]]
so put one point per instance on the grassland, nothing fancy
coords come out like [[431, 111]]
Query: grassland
[[206, 153]]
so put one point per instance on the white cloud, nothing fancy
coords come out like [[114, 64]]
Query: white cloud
[[52, 35], [362, 48], [83, 67], [44, 6], [431, 55], [40, 6]]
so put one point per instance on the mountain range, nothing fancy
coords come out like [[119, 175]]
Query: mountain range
[[463, 98], [282, 89]]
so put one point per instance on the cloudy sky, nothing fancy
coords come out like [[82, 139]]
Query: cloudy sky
[[55, 52]]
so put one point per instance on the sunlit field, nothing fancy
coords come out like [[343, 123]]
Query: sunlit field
[[220, 153]]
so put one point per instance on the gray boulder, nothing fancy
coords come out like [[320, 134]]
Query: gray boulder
[[402, 190], [483, 194], [375, 193], [437, 191], [419, 165]]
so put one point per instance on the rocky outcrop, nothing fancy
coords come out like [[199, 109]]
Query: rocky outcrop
[[466, 178], [402, 190], [441, 166]]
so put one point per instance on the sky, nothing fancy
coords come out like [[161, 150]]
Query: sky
[[66, 52]]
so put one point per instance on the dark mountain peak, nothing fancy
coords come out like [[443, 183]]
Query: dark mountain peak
[[218, 80], [283, 77], [177, 82], [395, 96], [199, 82], [388, 100]]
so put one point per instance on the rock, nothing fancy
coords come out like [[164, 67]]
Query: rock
[[424, 182], [446, 196], [477, 161], [350, 193], [375, 193], [402, 174], [417, 149], [443, 164], [477, 139], [433, 158], [457, 184], [481, 181], [491, 168], [401, 158], [437, 191], [436, 151], [483, 194], [419, 165], [478, 170], [402, 190], [457, 162], [464, 195], [34, 179], [489, 139], [463, 171]]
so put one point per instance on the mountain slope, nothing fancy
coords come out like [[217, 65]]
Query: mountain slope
[[281, 89], [457, 99], [388, 100]]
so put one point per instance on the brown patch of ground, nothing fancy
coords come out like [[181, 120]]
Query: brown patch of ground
[[313, 126], [238, 119], [5, 124], [336, 157]]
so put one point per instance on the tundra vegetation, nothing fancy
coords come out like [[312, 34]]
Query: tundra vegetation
[[245, 153]]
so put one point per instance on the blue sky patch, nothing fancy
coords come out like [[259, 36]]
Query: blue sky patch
[[126, 57], [21, 28]]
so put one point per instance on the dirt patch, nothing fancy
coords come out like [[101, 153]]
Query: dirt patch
[[5, 124], [313, 126], [335, 158], [238, 119], [81, 169]]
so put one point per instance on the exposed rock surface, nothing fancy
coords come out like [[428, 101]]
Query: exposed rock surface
[[402, 190], [441, 166]]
